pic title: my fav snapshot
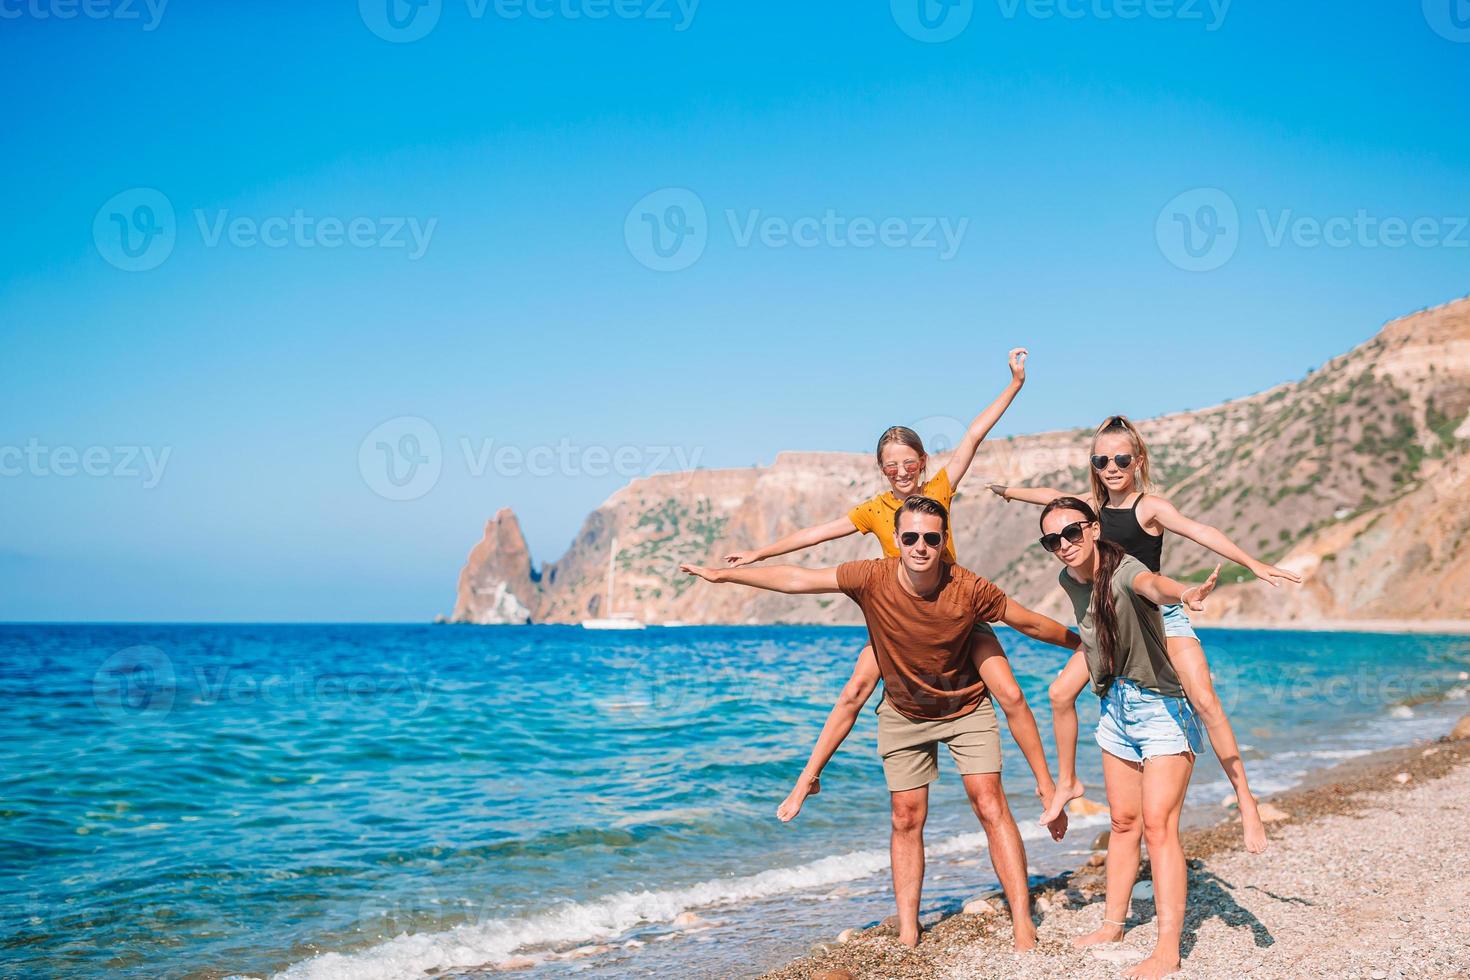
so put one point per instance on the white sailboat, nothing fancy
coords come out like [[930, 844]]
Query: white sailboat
[[612, 621]]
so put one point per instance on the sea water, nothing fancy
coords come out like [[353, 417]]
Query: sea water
[[339, 801]]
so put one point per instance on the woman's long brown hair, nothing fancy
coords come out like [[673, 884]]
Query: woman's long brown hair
[[1104, 613]]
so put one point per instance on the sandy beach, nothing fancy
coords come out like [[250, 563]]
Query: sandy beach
[[1364, 877]]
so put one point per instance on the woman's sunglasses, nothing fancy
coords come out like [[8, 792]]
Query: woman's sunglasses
[[1124, 460], [932, 538], [911, 465], [1072, 533]]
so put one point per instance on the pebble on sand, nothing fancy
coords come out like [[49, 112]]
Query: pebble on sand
[[978, 906], [1402, 778], [834, 975], [1083, 807], [1100, 842], [846, 936], [1144, 889], [1271, 813], [1098, 859]]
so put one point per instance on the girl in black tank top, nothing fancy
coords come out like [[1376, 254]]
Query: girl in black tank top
[[1118, 470], [1120, 525]]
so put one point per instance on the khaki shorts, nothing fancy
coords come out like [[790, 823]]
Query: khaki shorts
[[910, 749]]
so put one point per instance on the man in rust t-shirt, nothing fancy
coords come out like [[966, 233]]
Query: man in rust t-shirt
[[923, 642], [920, 612]]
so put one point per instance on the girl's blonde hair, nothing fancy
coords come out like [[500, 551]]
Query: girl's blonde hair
[[1119, 425]]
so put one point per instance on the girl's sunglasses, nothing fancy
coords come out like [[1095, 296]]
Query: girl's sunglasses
[[1072, 533], [932, 538], [911, 465], [1124, 460]]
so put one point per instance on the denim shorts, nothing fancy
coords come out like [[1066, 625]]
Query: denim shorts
[[1176, 621], [1137, 724]]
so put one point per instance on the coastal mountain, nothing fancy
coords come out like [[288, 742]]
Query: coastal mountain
[[1357, 476]]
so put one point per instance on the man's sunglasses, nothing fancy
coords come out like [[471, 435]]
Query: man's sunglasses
[[1072, 533], [1124, 460], [932, 538]]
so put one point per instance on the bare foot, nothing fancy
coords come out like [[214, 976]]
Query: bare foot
[[909, 939], [1250, 822], [791, 806], [1025, 937], [1104, 933], [1153, 967], [1065, 793]]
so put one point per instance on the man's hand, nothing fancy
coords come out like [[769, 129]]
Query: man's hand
[[708, 574], [1057, 826]]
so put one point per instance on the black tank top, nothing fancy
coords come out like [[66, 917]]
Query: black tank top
[[1120, 525]]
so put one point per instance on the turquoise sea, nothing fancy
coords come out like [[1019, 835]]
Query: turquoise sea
[[341, 801]]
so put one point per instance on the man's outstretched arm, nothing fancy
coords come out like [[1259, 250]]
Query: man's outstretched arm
[[1037, 626], [791, 579]]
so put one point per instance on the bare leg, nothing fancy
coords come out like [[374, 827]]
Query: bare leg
[[1165, 779], [1188, 658], [1124, 782], [1007, 853], [855, 694], [906, 850], [1000, 680], [1064, 691]]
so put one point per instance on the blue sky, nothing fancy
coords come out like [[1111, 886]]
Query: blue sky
[[254, 354]]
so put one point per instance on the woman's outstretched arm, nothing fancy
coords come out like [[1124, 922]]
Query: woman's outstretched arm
[[1167, 516], [807, 537], [964, 453]]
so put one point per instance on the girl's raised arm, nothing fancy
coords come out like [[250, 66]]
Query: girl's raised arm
[[807, 537], [1168, 516], [1161, 590], [964, 453]]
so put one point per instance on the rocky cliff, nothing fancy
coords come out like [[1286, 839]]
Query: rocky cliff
[[1357, 475]]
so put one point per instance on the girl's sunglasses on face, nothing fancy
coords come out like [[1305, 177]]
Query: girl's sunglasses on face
[[932, 538], [1072, 533], [909, 466], [1124, 460]]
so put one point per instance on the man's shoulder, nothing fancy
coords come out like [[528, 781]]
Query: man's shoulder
[[862, 572]]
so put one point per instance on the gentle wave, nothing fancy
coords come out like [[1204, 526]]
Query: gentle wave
[[488, 944]]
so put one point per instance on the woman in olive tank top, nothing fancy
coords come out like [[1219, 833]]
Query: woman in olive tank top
[[1146, 727], [1137, 520]]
